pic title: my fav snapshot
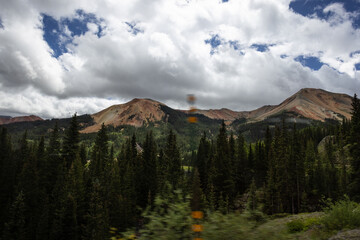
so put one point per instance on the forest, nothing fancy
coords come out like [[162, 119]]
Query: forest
[[59, 188]]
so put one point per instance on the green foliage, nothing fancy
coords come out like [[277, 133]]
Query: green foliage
[[15, 227], [67, 196], [169, 219], [344, 214], [229, 226], [295, 226], [355, 149], [311, 222]]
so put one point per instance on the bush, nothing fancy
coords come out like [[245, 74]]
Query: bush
[[344, 214], [170, 218], [227, 226], [309, 222], [295, 226]]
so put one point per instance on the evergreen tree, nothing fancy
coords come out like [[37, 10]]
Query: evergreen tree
[[15, 227], [43, 226], [196, 200], [224, 183], [172, 160], [100, 154], [260, 164], [202, 161], [69, 220], [53, 163], [355, 148], [250, 165], [75, 200], [297, 172], [97, 218], [242, 167], [252, 199], [29, 185], [7, 176], [150, 169], [331, 171], [71, 142], [343, 178]]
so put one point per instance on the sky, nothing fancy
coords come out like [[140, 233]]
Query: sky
[[61, 57]]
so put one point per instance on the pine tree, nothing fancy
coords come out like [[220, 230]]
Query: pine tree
[[172, 160], [97, 218], [7, 176], [242, 168], [149, 169], [224, 181], [76, 197], [161, 171], [260, 164], [43, 226], [202, 161], [83, 154], [355, 148], [343, 179], [71, 142], [15, 227], [69, 220], [196, 200], [100, 154], [252, 199], [250, 166], [297, 172], [29, 185], [331, 171], [53, 162]]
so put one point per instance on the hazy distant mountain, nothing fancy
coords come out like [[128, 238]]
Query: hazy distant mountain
[[8, 119], [314, 104]]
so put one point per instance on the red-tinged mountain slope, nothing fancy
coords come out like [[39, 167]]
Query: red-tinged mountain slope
[[136, 113], [8, 120], [225, 114], [316, 104]]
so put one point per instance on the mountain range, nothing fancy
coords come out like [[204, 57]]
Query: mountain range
[[308, 103]]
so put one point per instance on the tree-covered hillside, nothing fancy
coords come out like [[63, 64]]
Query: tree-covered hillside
[[75, 186]]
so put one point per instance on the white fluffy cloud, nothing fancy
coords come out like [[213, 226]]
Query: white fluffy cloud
[[168, 57]]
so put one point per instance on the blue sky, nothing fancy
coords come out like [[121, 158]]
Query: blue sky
[[59, 33], [314, 8], [85, 55]]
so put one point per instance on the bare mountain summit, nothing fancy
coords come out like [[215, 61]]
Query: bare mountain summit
[[316, 104], [309, 103], [8, 120], [136, 113]]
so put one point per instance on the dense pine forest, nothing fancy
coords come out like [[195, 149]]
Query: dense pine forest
[[60, 188]]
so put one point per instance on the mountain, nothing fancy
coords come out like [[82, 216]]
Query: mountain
[[308, 103], [137, 112], [224, 114], [8, 119]]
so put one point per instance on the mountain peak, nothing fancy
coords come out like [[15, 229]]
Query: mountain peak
[[312, 103], [8, 119], [137, 112]]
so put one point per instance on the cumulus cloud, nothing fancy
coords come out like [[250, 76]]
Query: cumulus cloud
[[160, 50]]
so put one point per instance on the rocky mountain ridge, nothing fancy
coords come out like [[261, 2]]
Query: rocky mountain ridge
[[309, 103]]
